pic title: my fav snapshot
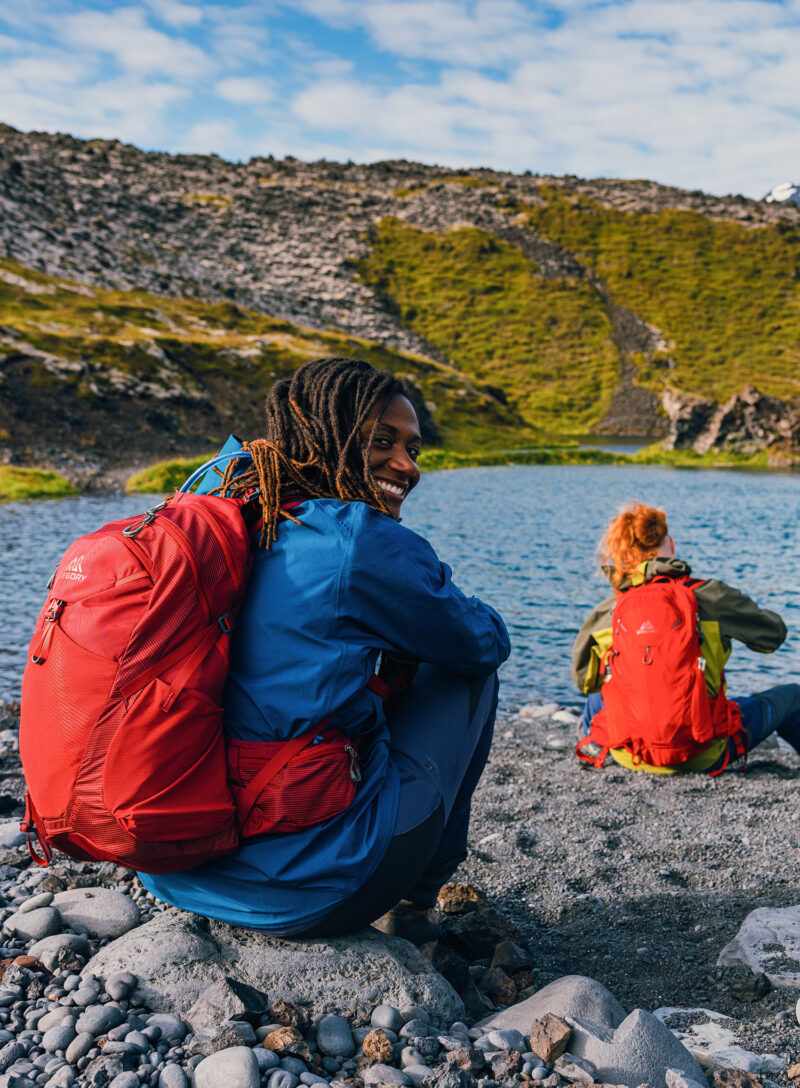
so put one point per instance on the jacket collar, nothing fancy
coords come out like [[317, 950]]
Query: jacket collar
[[645, 572]]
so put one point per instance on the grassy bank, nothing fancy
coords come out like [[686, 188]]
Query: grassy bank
[[32, 483]]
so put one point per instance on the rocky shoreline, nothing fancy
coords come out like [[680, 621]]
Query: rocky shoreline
[[607, 946]]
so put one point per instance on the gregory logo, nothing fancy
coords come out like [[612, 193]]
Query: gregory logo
[[74, 569], [647, 628]]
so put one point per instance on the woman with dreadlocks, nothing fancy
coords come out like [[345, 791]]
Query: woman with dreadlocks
[[375, 810]]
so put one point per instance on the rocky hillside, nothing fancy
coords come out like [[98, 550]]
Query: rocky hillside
[[146, 300]]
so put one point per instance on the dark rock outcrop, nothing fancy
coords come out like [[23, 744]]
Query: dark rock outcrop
[[746, 423]]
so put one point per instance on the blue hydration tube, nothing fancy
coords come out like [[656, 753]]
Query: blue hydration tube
[[215, 462]]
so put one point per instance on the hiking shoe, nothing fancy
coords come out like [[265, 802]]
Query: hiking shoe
[[410, 921]]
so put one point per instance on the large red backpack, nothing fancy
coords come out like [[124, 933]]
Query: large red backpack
[[121, 735], [655, 701]]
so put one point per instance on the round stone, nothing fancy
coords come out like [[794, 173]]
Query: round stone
[[79, 1046], [98, 1019], [267, 1059], [172, 1076], [294, 1065], [36, 924], [416, 1029], [172, 1029], [282, 1078], [334, 1037], [235, 1067], [508, 1039], [103, 911], [387, 1016], [42, 899], [387, 1075], [58, 1038]]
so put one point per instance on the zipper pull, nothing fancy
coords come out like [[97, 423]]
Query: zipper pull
[[52, 616], [355, 770]]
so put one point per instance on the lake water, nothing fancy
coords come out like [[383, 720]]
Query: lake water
[[521, 537]]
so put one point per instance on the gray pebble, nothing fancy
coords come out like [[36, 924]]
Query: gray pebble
[[334, 1037], [172, 1076], [86, 995], [55, 1016], [418, 1074], [414, 1012], [508, 1039], [409, 1055], [98, 1019], [235, 1067], [173, 1029], [42, 899], [459, 1028], [360, 1034], [388, 1075], [50, 950], [416, 1029], [452, 1042], [294, 1065], [387, 1016], [245, 1032], [62, 1078], [282, 1078], [125, 1080], [58, 1038], [267, 1059], [11, 1053], [312, 1078], [35, 924], [330, 1065], [79, 1046], [539, 1071], [122, 1048], [120, 984]]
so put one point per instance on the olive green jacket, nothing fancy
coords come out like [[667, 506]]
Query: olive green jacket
[[724, 614]]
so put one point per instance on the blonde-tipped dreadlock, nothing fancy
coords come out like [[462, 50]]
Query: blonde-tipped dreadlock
[[313, 446]]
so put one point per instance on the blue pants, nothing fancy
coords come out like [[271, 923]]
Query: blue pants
[[776, 710], [441, 732]]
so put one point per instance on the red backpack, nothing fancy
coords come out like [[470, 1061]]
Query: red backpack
[[655, 701], [121, 734]]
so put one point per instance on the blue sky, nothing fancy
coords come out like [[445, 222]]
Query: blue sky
[[703, 94]]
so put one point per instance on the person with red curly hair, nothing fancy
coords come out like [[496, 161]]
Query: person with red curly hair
[[651, 660]]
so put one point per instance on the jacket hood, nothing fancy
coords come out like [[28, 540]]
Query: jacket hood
[[672, 568]]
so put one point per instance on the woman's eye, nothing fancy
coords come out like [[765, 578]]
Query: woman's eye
[[413, 453]]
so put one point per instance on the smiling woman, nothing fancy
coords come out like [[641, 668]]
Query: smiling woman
[[358, 662]]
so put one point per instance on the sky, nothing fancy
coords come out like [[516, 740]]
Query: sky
[[702, 94]]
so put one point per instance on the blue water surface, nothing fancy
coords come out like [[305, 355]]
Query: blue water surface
[[521, 537]]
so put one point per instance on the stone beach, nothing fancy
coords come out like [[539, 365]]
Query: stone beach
[[606, 928]]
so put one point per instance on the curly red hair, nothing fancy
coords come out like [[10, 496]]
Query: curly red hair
[[633, 536]]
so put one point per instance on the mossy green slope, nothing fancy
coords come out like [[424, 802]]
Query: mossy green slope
[[91, 345], [31, 483], [725, 296], [482, 303]]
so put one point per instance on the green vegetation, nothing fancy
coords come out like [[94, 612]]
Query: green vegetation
[[235, 354], [433, 460], [32, 483], [656, 455], [164, 477], [725, 296], [207, 200], [480, 301]]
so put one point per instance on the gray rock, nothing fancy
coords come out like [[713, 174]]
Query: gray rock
[[54, 1017], [42, 899], [176, 956], [510, 957], [575, 1069], [104, 911], [120, 984], [104, 1068], [172, 1029], [172, 1076], [10, 834], [312, 1078], [508, 1039], [418, 1074], [79, 1046], [640, 1049], [282, 1078], [334, 1037], [34, 925], [416, 1029], [409, 1055], [294, 1065], [387, 1074], [222, 1002], [386, 1016], [58, 1038], [768, 941], [50, 951], [98, 1019], [10, 1053], [62, 1078], [570, 996], [676, 1079], [713, 1043], [125, 1080], [235, 1067], [267, 1059]]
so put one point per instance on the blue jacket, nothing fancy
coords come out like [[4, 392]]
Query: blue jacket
[[331, 593]]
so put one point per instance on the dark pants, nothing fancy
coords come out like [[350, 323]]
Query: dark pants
[[776, 710], [441, 733]]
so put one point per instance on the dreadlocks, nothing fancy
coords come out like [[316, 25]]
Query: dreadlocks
[[313, 445]]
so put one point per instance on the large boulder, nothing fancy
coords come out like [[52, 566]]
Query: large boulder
[[768, 941], [568, 997], [177, 956]]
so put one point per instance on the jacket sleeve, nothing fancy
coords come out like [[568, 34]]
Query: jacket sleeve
[[740, 617], [594, 638], [394, 588]]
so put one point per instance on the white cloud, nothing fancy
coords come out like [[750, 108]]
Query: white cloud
[[244, 90], [176, 14], [136, 46], [217, 137]]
